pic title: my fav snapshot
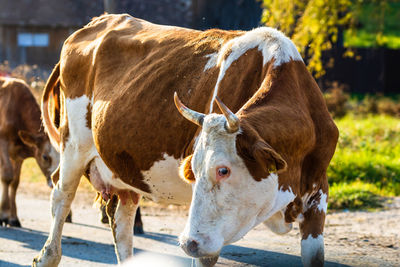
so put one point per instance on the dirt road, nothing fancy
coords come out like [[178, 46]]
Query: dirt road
[[351, 238]]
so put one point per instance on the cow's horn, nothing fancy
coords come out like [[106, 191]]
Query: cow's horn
[[191, 115], [232, 120]]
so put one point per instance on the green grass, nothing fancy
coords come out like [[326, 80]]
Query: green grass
[[364, 39], [355, 195], [31, 172], [366, 35], [366, 163]]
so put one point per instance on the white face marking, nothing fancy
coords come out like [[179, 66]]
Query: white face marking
[[312, 248], [222, 213], [272, 43]]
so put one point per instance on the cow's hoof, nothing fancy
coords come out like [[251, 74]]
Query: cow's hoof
[[138, 230], [4, 222], [104, 219], [47, 258], [14, 223], [34, 262], [69, 218]]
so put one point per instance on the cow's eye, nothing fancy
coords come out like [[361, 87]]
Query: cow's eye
[[223, 172], [45, 157]]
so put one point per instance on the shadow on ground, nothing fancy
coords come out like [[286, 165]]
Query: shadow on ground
[[71, 247], [104, 253], [8, 264], [255, 257]]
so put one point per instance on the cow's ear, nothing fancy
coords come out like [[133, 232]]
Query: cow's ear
[[28, 138], [259, 157], [185, 170], [267, 158]]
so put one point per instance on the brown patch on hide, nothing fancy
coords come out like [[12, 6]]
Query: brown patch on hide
[[89, 116], [55, 176], [313, 223], [293, 210], [128, 171]]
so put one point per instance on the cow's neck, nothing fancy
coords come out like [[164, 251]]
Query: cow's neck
[[31, 118]]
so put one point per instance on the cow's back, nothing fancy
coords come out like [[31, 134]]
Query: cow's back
[[18, 108], [130, 69]]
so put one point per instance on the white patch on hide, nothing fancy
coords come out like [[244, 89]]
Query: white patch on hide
[[163, 179], [212, 61], [320, 203], [272, 43], [165, 183], [276, 223], [310, 248], [79, 133], [300, 218], [282, 199], [323, 205]]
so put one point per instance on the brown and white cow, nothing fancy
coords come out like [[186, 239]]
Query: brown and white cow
[[21, 136], [266, 163]]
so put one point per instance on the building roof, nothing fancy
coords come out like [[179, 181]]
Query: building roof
[[75, 13]]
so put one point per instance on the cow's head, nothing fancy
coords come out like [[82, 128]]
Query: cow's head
[[234, 177], [45, 154]]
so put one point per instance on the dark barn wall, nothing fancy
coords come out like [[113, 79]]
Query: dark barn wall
[[45, 57], [371, 71], [166, 12], [226, 14]]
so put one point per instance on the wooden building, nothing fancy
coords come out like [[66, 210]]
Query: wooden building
[[33, 31]]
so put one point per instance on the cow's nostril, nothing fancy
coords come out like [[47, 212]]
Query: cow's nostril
[[192, 247]]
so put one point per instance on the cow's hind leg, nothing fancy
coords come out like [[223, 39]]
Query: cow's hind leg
[[311, 227], [121, 222], [137, 227], [72, 166], [14, 221]]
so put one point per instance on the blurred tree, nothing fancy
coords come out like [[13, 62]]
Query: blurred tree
[[317, 25]]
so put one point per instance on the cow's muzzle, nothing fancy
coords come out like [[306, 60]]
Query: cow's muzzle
[[194, 249], [191, 247]]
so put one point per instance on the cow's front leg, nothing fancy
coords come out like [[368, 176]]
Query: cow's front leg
[[6, 177], [14, 221], [5, 201], [121, 222], [71, 169], [312, 227]]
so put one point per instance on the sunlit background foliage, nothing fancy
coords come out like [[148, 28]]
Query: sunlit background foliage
[[319, 25]]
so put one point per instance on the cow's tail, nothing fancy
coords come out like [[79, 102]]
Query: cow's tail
[[52, 89]]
